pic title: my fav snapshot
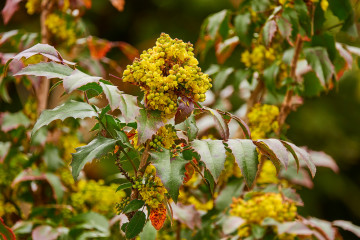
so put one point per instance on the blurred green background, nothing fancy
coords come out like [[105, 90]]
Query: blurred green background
[[330, 123]]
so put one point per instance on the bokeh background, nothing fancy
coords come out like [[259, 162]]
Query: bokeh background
[[329, 123]]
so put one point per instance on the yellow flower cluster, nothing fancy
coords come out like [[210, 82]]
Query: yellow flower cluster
[[30, 109], [151, 188], [60, 28], [230, 169], [324, 4], [6, 208], [33, 6], [166, 72], [165, 137], [7, 174], [188, 199], [261, 206], [96, 196], [258, 57], [263, 120], [268, 174]]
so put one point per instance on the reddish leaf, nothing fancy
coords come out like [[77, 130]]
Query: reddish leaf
[[269, 31], [87, 3], [118, 4], [98, 47], [148, 123], [346, 225], [5, 232], [45, 232], [129, 51], [10, 8], [185, 108], [220, 123], [321, 159], [187, 215], [225, 49], [279, 150]]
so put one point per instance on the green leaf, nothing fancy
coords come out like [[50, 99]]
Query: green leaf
[[189, 126], [232, 189], [269, 31], [270, 75], [69, 109], [6, 231], [259, 5], [46, 69], [242, 26], [284, 27], [171, 172], [52, 158], [221, 78], [124, 186], [126, 103], [56, 185], [217, 22], [10, 121], [92, 89], [319, 61], [258, 231], [95, 149], [148, 123], [43, 49], [78, 79], [278, 149], [312, 85], [220, 123], [149, 232], [246, 157], [135, 225], [133, 206], [210, 180], [4, 149], [301, 154], [212, 153], [93, 220]]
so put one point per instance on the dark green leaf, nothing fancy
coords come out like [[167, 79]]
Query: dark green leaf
[[270, 75], [220, 123], [284, 27], [69, 109], [56, 185], [124, 186], [212, 153], [210, 180], [215, 23], [242, 27], [312, 85], [171, 172], [46, 69], [92, 89], [135, 225], [133, 206], [78, 79], [96, 148], [246, 157], [148, 123], [319, 61]]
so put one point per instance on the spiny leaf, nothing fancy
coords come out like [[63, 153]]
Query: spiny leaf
[[135, 225], [171, 172], [270, 154], [212, 153], [189, 126], [246, 157], [6, 232], [69, 109], [279, 150], [301, 154], [78, 79], [269, 31], [46, 69], [148, 124], [126, 103], [241, 122], [45, 50], [95, 149], [220, 123]]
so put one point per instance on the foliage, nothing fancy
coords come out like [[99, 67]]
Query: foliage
[[233, 185]]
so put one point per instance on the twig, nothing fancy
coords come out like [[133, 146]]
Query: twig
[[255, 96], [286, 105], [144, 158], [123, 172], [202, 176]]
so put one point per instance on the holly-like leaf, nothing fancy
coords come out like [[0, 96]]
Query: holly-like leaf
[[69, 109], [46, 69], [128, 50], [278, 149], [212, 153], [171, 172], [148, 123], [133, 206], [301, 154], [269, 31], [217, 24], [246, 157], [189, 126], [185, 108], [11, 6], [78, 79], [242, 26], [45, 50], [135, 225], [319, 61], [267, 151], [124, 186], [220, 123], [284, 27], [97, 148], [125, 102]]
